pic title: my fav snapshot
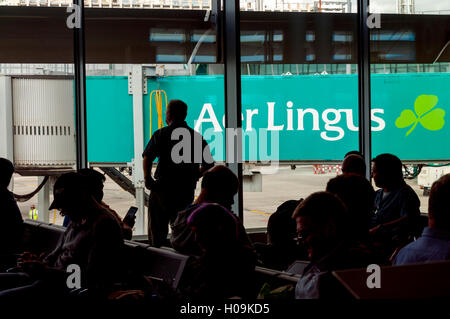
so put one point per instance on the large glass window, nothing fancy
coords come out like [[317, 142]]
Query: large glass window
[[37, 101], [299, 99], [409, 83], [179, 54]]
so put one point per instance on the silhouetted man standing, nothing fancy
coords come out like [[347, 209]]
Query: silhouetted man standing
[[183, 156]]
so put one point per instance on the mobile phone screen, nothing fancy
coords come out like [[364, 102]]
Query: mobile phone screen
[[131, 212]]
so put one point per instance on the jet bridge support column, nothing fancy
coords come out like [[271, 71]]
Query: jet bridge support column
[[136, 80]]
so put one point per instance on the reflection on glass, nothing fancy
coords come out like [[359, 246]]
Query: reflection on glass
[[175, 45], [333, 6], [342, 57], [278, 36], [411, 73], [383, 35], [167, 35], [201, 36], [342, 36], [310, 36], [253, 38]]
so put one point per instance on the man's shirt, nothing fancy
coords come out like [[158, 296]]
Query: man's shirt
[[180, 151], [433, 245], [317, 281], [400, 202]]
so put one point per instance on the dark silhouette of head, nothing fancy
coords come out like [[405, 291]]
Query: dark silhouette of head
[[387, 171], [281, 227], [219, 185], [95, 182], [214, 227], [439, 204], [358, 196], [321, 223], [353, 153], [355, 164], [6, 172], [176, 111], [72, 196]]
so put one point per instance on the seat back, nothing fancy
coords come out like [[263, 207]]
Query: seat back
[[40, 237], [422, 280], [275, 279], [157, 262]]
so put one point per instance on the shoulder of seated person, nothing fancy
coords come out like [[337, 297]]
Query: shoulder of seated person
[[188, 211], [112, 212], [406, 189], [105, 217]]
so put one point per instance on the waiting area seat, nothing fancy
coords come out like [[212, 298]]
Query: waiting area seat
[[158, 263], [40, 237], [414, 281]]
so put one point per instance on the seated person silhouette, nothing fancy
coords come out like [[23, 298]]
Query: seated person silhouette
[[226, 267], [396, 207], [282, 248], [92, 241], [434, 244], [354, 164], [322, 226], [95, 185], [358, 195], [11, 225], [219, 185]]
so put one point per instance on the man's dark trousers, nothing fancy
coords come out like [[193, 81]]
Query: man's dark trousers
[[163, 207]]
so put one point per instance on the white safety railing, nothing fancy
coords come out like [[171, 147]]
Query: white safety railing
[[60, 69], [245, 5], [280, 5], [148, 4]]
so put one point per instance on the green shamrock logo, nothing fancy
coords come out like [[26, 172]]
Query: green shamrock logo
[[431, 119]]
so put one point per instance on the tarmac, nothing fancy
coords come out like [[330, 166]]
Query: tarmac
[[284, 185]]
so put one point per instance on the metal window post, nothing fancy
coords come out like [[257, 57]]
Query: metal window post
[[233, 94], [80, 89], [138, 128], [364, 104], [44, 200]]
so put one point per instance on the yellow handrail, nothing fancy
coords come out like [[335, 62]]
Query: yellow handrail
[[159, 109]]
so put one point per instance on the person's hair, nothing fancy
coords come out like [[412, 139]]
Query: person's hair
[[95, 182], [439, 202], [323, 207], [178, 110], [389, 167], [353, 153], [354, 163], [221, 185], [72, 190], [281, 227], [215, 225], [6, 172], [358, 196]]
